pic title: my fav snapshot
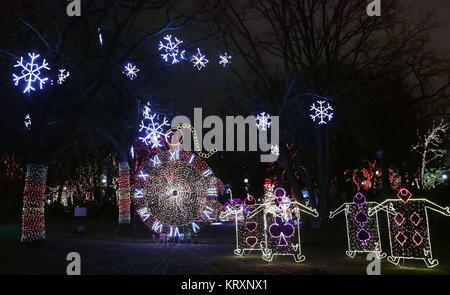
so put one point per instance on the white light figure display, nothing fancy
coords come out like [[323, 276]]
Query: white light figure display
[[171, 193], [282, 226], [224, 59], [62, 76], [272, 227], [199, 60], [321, 112], [170, 49], [263, 121], [363, 232], [409, 232], [31, 73], [250, 234], [130, 71], [153, 130]]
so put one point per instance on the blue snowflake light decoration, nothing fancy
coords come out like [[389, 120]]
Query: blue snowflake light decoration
[[31, 72], [153, 131], [130, 71], [224, 59], [263, 121], [62, 76], [199, 60], [171, 52], [321, 112]]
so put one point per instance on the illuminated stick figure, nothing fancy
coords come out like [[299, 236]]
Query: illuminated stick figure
[[282, 226], [249, 231], [409, 231], [363, 233]]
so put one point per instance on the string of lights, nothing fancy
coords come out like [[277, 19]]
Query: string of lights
[[33, 218]]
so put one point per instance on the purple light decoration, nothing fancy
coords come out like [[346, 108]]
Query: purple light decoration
[[281, 230], [359, 199], [363, 236], [361, 218]]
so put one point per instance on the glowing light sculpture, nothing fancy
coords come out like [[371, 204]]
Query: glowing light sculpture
[[62, 76], [321, 112], [31, 72], [250, 233], [170, 48], [124, 201], [199, 60], [174, 198], [363, 233], [263, 121], [409, 231], [282, 225], [153, 130], [224, 59], [33, 213], [130, 71]]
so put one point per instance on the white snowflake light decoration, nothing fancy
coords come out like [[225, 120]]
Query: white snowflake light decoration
[[130, 71], [321, 112], [27, 121], [224, 59], [275, 150], [199, 60], [153, 130], [171, 52], [263, 121], [31, 72], [62, 76]]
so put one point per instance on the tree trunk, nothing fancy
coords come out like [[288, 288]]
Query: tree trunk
[[33, 213], [322, 160], [287, 163], [124, 193]]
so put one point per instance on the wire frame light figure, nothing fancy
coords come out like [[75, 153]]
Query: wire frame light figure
[[363, 233], [409, 232]]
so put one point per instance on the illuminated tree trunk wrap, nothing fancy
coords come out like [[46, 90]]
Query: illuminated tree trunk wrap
[[124, 193], [33, 215]]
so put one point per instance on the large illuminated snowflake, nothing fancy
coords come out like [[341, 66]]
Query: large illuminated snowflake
[[153, 130], [171, 51], [263, 121], [321, 112], [31, 72], [130, 71], [62, 76], [224, 59], [199, 60]]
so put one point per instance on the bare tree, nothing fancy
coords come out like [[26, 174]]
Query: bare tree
[[329, 48], [428, 147]]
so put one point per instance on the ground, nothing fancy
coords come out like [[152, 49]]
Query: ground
[[104, 251]]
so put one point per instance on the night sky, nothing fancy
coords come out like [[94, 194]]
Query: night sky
[[441, 8]]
